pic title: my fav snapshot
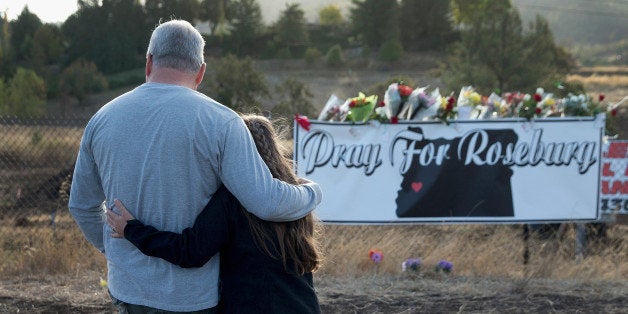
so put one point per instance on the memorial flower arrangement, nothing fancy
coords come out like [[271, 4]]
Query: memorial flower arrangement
[[403, 102], [361, 107]]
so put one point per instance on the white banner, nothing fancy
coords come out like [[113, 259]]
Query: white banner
[[489, 171], [614, 182]]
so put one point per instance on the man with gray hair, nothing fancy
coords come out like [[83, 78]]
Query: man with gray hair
[[164, 149]]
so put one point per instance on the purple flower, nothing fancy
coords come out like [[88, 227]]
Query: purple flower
[[377, 257], [444, 266], [413, 264]]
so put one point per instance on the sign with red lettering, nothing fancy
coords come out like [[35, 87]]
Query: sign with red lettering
[[489, 171], [614, 179]]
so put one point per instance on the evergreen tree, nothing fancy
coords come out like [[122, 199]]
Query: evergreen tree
[[425, 24], [117, 44], [246, 27], [164, 10], [215, 12], [291, 30], [48, 46], [375, 21], [22, 32], [496, 53]]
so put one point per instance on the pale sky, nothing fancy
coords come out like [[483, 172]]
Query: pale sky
[[49, 11]]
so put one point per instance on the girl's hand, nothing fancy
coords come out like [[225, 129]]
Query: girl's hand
[[117, 222]]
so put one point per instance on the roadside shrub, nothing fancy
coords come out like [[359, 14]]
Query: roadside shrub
[[334, 56], [391, 50], [24, 95], [81, 78], [312, 55]]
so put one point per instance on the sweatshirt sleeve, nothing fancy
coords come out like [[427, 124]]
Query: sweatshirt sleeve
[[194, 246], [245, 174], [87, 195]]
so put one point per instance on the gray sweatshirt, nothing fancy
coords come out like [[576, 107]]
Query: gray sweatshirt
[[163, 150]]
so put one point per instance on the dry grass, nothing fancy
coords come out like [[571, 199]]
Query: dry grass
[[33, 145], [596, 80]]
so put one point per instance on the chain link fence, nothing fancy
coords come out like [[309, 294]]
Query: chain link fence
[[37, 159]]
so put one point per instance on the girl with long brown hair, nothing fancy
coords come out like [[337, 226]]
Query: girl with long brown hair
[[265, 267]]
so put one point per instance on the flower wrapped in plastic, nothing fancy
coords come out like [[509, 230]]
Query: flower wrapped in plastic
[[421, 105], [331, 111], [467, 102], [361, 107], [576, 105], [395, 98]]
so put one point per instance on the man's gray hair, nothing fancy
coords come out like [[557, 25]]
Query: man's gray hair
[[178, 45]]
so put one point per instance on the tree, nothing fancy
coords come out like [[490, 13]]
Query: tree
[[291, 31], [80, 79], [48, 46], [26, 95], [118, 44], [330, 15], [5, 47], [246, 27], [375, 21], [237, 84], [496, 53], [295, 98], [215, 12], [425, 24], [22, 32], [165, 10]]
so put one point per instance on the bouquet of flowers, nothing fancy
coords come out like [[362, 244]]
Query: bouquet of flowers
[[332, 110], [446, 109], [395, 98], [468, 100], [361, 107], [420, 104]]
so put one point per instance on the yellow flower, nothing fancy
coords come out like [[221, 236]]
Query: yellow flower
[[475, 98], [103, 283]]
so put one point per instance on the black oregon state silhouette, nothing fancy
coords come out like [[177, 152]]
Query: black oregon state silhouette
[[453, 189]]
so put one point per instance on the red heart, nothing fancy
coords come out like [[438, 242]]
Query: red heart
[[417, 186]]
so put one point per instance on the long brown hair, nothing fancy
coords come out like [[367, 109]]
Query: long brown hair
[[296, 241]]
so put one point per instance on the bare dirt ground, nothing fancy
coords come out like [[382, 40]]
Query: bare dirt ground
[[367, 294]]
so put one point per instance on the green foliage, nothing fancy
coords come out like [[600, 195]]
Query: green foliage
[[312, 55], [126, 78], [215, 12], [165, 10], [425, 24], [334, 56], [290, 30], [330, 15], [81, 78], [237, 84], [246, 27], [295, 98], [118, 43], [375, 21], [47, 47], [22, 32], [496, 53], [391, 50], [25, 95]]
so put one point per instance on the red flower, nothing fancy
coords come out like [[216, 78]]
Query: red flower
[[614, 112], [404, 90], [537, 97], [303, 121], [537, 110], [450, 103], [601, 97], [352, 103], [381, 103], [394, 120]]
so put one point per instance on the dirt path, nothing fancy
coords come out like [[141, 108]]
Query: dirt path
[[448, 294]]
